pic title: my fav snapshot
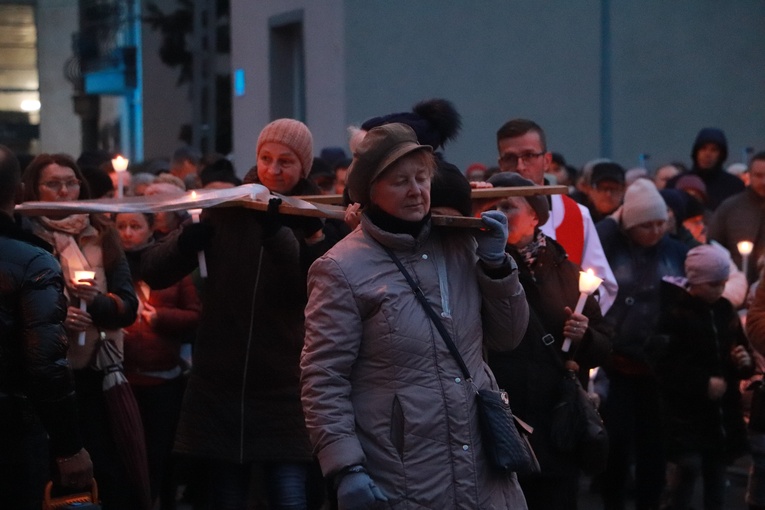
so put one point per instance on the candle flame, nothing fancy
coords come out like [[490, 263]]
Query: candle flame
[[193, 195], [119, 163], [745, 247], [588, 282]]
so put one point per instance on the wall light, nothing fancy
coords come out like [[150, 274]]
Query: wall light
[[30, 105]]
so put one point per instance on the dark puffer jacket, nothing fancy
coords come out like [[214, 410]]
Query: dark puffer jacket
[[33, 342]]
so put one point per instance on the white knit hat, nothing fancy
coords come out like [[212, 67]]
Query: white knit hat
[[642, 203]]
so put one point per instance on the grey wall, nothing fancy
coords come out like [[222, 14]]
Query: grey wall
[[498, 61], [666, 70], [683, 66], [324, 57]]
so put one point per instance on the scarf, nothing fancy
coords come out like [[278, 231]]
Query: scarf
[[77, 246], [72, 225], [531, 251], [395, 225], [66, 235]]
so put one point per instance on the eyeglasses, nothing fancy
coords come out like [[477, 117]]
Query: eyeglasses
[[57, 185], [612, 190], [510, 160]]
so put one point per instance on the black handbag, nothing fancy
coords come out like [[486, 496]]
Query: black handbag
[[504, 437], [575, 423], [576, 426]]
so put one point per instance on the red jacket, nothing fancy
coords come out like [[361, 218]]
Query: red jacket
[[157, 348]]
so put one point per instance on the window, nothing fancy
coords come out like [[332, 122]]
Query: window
[[19, 83]]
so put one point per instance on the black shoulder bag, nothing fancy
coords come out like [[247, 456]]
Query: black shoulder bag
[[504, 437], [575, 424]]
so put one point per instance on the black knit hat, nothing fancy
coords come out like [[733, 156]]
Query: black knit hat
[[676, 200], [435, 122], [693, 207], [450, 188]]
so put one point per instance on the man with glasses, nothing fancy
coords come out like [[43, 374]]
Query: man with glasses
[[523, 149]]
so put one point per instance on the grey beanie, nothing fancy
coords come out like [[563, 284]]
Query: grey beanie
[[707, 263]]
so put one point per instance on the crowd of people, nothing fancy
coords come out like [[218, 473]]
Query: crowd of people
[[307, 368]]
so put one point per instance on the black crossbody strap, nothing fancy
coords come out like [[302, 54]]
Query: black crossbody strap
[[432, 314], [536, 321], [534, 318]]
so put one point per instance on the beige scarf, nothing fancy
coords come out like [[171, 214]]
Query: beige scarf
[[76, 244]]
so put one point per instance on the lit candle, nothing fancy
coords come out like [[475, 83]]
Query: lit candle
[[79, 276], [588, 283], [745, 249], [591, 380], [200, 254], [119, 164]]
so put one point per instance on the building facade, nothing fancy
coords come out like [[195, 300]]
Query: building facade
[[605, 78]]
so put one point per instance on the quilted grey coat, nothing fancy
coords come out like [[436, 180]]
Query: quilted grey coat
[[379, 386]]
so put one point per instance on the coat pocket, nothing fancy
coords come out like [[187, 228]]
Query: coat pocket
[[397, 427]]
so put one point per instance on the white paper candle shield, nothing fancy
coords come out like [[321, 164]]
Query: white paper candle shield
[[120, 164], [83, 275], [588, 283], [745, 249]]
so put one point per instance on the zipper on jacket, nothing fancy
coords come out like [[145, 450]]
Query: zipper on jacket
[[443, 280], [247, 355]]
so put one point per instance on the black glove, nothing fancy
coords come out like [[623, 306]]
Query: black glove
[[271, 221], [195, 237]]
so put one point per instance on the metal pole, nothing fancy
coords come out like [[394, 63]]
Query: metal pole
[[197, 119], [605, 79], [211, 75]]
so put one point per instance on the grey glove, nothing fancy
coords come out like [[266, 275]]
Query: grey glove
[[357, 491], [493, 239]]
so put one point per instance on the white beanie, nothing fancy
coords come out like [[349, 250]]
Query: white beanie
[[642, 203]]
